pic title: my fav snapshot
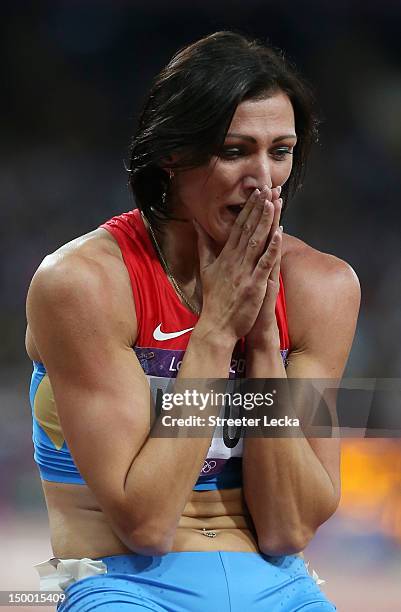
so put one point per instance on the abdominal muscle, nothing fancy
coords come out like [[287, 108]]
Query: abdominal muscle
[[80, 529]]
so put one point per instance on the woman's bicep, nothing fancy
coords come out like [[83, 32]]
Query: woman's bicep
[[323, 309], [79, 324]]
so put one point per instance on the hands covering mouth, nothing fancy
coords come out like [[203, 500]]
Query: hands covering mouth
[[240, 282], [270, 193]]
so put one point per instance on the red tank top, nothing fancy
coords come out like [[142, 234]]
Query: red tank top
[[159, 310], [164, 328]]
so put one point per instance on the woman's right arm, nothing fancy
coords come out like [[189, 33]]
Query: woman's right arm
[[77, 314], [81, 315]]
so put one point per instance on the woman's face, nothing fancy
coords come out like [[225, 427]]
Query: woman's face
[[257, 151]]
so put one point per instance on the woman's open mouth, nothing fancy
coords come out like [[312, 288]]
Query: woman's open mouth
[[235, 209]]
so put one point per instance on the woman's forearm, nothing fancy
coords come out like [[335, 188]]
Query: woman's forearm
[[163, 474], [287, 489]]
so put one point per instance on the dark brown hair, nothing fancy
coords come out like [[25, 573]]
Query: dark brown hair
[[191, 105]]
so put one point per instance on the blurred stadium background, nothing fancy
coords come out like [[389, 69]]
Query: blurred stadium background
[[74, 76]]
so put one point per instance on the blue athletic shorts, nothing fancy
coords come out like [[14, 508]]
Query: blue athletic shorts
[[199, 582]]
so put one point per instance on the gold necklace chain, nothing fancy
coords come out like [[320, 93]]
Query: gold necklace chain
[[168, 271]]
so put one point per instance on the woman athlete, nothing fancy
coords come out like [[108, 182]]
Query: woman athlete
[[190, 285]]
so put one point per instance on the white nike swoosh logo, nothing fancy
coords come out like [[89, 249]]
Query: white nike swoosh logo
[[159, 335]]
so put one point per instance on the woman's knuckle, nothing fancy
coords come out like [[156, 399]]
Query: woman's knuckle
[[253, 243], [247, 292], [236, 281], [265, 263], [273, 285]]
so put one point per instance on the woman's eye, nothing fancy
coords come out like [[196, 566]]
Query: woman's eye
[[230, 152], [282, 152], [279, 153]]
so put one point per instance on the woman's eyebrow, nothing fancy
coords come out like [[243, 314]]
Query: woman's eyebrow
[[294, 136], [253, 140], [242, 136]]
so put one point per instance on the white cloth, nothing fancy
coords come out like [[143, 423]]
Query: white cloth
[[58, 574]]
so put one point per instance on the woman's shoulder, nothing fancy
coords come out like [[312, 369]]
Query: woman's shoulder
[[320, 288], [98, 242], [87, 279], [93, 254], [303, 265]]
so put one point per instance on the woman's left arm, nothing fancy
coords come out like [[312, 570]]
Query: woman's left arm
[[292, 484]]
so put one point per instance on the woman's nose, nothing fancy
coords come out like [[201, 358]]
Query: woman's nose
[[257, 177]]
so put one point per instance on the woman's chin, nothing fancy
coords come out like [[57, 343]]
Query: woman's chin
[[225, 226], [219, 229]]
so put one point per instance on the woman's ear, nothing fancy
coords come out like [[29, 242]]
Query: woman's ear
[[169, 162]]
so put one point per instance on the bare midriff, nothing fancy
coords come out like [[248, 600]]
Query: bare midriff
[[212, 520]]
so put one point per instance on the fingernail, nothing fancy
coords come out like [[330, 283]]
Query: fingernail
[[279, 189], [281, 228], [281, 201]]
